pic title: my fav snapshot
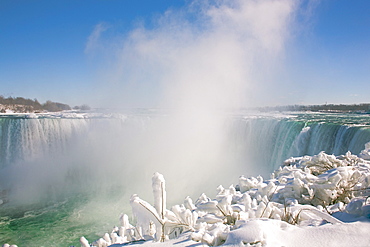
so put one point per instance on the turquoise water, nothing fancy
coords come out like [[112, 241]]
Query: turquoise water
[[39, 226], [59, 223], [63, 178]]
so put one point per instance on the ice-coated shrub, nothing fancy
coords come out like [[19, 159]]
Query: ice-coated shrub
[[304, 191]]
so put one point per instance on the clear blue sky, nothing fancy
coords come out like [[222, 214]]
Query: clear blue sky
[[44, 54]]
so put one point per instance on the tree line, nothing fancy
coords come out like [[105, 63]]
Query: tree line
[[364, 108], [20, 104]]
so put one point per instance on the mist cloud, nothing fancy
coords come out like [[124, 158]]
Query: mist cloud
[[196, 62], [209, 53], [93, 41]]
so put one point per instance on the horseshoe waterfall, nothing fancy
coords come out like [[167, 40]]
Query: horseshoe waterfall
[[72, 174]]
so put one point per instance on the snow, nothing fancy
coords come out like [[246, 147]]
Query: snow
[[268, 232], [365, 154], [316, 200], [61, 114]]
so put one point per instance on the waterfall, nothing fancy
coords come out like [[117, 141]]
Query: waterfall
[[24, 139], [269, 141], [52, 155], [48, 158]]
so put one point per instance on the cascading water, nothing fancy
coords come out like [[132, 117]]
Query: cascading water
[[24, 139], [268, 141], [72, 175]]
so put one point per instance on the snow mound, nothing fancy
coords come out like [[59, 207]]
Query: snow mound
[[295, 207]]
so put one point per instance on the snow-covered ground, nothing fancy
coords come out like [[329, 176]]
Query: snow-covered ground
[[319, 200], [67, 114], [267, 232]]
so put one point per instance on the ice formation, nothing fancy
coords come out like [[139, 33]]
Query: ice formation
[[365, 154], [304, 193]]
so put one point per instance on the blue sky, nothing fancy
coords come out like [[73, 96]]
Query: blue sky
[[44, 54]]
